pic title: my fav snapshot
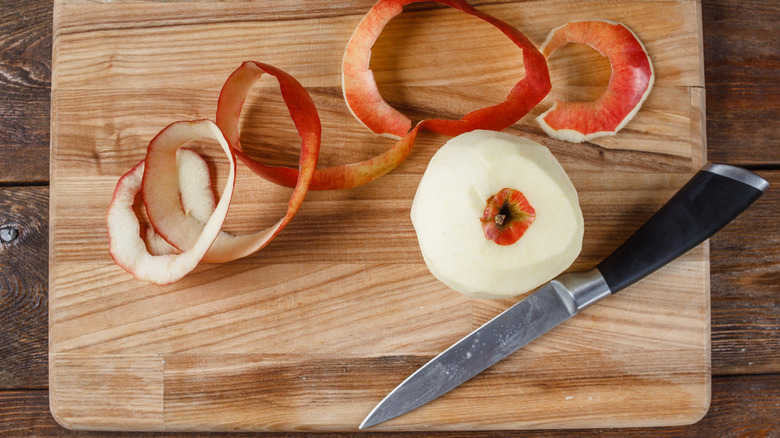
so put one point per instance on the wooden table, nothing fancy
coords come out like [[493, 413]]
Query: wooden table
[[743, 94]]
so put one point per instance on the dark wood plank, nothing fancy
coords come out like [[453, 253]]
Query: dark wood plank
[[741, 406], [741, 63], [24, 225], [25, 84], [745, 300]]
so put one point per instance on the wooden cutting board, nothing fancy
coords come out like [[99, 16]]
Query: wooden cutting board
[[312, 331]]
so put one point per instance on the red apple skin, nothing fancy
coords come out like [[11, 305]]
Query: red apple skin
[[630, 83], [302, 111], [507, 216], [161, 193], [339, 177], [368, 106], [307, 122], [359, 86], [364, 100]]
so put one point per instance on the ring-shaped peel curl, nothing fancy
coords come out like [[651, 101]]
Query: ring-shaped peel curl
[[179, 228], [367, 105], [126, 245], [629, 84]]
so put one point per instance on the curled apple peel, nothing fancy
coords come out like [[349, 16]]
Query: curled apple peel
[[179, 228], [175, 186], [126, 245], [186, 220], [629, 85], [302, 109], [197, 197], [367, 105]]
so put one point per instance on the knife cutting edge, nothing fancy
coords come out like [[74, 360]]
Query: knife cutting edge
[[712, 198]]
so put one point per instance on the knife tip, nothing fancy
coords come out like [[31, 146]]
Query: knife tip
[[371, 420], [380, 413]]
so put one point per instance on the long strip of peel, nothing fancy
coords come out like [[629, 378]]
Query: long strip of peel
[[367, 105], [178, 228], [126, 246]]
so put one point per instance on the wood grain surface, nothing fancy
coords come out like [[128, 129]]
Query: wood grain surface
[[26, 68], [742, 94], [742, 406], [23, 229], [311, 332]]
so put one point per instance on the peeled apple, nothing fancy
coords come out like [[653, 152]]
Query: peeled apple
[[485, 176]]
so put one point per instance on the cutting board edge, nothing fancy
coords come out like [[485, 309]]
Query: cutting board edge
[[152, 409], [697, 94]]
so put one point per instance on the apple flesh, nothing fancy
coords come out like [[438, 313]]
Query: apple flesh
[[506, 217], [454, 196]]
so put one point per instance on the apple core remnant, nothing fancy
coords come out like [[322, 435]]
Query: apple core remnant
[[507, 216]]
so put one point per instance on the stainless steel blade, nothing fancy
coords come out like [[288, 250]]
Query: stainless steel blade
[[708, 201], [549, 306]]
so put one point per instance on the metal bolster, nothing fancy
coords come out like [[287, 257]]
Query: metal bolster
[[738, 174], [580, 290]]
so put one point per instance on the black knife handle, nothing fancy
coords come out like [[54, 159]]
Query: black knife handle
[[711, 199]]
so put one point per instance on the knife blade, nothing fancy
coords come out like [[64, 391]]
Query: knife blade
[[712, 198]]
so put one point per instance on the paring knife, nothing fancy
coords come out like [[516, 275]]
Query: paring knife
[[711, 199]]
